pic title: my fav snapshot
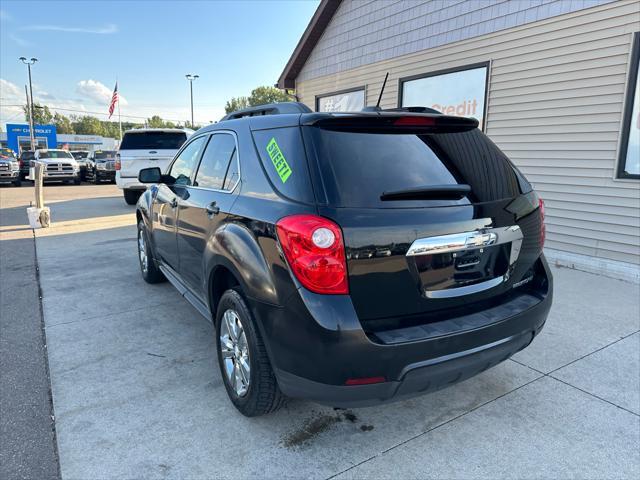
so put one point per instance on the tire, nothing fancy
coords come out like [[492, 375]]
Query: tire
[[18, 182], [77, 181], [262, 394], [150, 273], [131, 196]]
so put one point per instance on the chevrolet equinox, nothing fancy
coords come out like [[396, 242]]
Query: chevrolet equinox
[[348, 258]]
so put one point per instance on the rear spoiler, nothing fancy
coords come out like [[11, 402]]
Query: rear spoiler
[[390, 122]]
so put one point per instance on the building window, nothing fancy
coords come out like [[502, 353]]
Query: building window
[[629, 152], [344, 101], [458, 91]]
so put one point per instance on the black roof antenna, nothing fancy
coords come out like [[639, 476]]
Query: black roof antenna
[[377, 107], [384, 84]]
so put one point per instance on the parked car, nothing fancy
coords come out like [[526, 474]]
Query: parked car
[[81, 158], [9, 167], [25, 162], [101, 166], [60, 165], [142, 148], [349, 259]]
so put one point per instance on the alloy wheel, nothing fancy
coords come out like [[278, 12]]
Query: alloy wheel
[[142, 252], [235, 352]]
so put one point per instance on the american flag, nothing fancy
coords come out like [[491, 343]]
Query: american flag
[[114, 100]]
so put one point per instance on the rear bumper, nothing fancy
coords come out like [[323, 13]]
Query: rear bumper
[[129, 183], [315, 352], [424, 377]]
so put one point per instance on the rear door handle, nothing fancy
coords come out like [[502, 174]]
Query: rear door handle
[[174, 202], [212, 209]]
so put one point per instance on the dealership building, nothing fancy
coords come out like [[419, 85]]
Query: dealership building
[[17, 138], [554, 83]]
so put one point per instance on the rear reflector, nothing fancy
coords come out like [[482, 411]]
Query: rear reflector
[[543, 228], [364, 381]]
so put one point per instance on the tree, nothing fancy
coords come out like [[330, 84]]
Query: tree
[[41, 115], [236, 104], [62, 123], [263, 95], [88, 125], [259, 96], [157, 122]]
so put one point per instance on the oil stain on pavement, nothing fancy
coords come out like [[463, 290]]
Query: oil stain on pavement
[[319, 424]]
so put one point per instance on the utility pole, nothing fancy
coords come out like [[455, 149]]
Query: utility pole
[[191, 78], [32, 136]]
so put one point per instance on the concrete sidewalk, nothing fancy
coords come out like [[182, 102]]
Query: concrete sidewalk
[[137, 392]]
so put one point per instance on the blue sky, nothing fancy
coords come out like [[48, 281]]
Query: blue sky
[[149, 45]]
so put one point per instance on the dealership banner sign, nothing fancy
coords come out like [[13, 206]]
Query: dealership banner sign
[[18, 136], [461, 92]]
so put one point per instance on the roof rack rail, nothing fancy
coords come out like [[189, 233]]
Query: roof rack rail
[[268, 109], [412, 110]]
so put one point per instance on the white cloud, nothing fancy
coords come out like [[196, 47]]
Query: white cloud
[[9, 91], [20, 41], [97, 91], [107, 29], [93, 99]]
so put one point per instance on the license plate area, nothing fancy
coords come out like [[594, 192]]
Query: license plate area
[[464, 263], [457, 269]]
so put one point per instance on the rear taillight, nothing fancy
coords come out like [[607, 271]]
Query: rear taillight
[[117, 163], [314, 249], [543, 228]]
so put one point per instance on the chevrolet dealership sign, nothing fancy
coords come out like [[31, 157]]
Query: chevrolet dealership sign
[[18, 135]]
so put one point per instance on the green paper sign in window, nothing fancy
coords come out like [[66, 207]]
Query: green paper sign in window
[[278, 160]]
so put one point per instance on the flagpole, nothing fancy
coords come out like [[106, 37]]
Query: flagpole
[[119, 118]]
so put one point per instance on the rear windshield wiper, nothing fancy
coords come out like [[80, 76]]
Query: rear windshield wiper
[[432, 192]]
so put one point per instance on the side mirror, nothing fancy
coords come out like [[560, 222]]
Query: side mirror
[[150, 175]]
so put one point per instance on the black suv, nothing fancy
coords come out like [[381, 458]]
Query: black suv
[[349, 259]]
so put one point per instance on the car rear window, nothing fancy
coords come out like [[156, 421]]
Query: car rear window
[[283, 158], [357, 168], [153, 140], [55, 154]]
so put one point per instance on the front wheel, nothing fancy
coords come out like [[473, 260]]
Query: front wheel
[[18, 182], [131, 196], [246, 371], [150, 272], [77, 181]]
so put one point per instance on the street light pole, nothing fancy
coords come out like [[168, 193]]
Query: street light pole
[[32, 136], [191, 78]]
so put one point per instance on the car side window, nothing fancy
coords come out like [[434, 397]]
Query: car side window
[[219, 166], [186, 162]]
